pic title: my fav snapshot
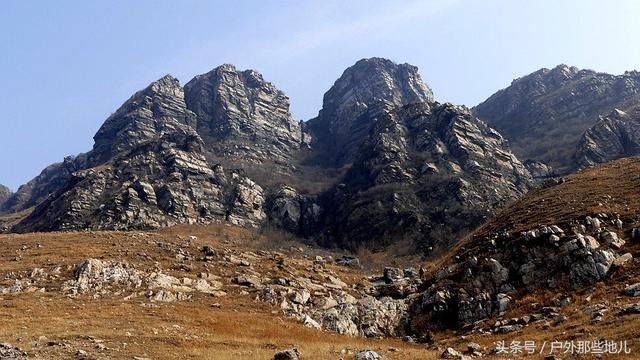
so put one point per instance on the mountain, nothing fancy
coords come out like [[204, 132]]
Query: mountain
[[147, 169], [426, 172], [5, 193], [565, 237], [614, 136], [365, 90], [243, 118], [545, 114], [381, 164], [52, 178]]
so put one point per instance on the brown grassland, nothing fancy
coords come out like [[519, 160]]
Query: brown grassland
[[53, 326]]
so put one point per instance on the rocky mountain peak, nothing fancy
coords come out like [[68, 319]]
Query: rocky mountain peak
[[365, 90], [612, 137], [545, 114], [5, 193], [242, 116], [149, 113], [422, 168]]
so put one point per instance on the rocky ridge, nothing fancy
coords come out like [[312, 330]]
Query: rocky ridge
[[147, 169], [545, 114], [243, 118], [422, 169], [226, 148], [614, 136], [566, 237], [365, 90], [5, 193]]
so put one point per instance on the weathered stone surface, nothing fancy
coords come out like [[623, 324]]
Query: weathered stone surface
[[242, 117], [367, 355], [49, 181], [474, 287], [613, 136], [390, 193], [148, 169], [291, 211], [365, 90], [10, 352], [290, 354], [5, 193], [451, 353], [632, 290], [538, 109]]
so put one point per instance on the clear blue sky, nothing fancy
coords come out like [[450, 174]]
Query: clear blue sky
[[66, 65]]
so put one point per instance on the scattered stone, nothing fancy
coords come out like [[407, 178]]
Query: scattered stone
[[631, 309], [10, 352], [248, 281], [350, 261], [289, 354], [622, 260], [367, 355], [393, 274], [632, 290], [453, 354]]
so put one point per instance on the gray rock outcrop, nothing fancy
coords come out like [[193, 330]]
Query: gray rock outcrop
[[365, 90], [243, 118], [614, 136], [5, 194], [148, 169], [426, 172], [545, 114]]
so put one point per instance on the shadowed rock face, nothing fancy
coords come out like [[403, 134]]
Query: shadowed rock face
[[52, 178], [413, 169], [545, 114], [147, 115], [243, 117], [147, 169], [5, 193], [614, 136], [364, 91], [427, 172]]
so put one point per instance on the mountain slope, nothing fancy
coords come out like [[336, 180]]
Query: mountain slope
[[5, 193], [545, 114], [349, 108], [426, 172], [241, 117], [614, 136], [147, 169], [566, 237]]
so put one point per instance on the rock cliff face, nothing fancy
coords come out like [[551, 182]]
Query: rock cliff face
[[404, 166], [428, 172], [52, 178], [5, 193], [242, 117], [571, 235], [611, 137], [545, 114], [147, 169], [365, 90]]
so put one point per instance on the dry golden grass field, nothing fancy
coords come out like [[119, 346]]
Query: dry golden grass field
[[116, 325]]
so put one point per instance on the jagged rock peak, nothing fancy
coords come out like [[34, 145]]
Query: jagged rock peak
[[149, 113], [373, 80], [241, 107], [559, 103], [365, 90], [422, 168], [614, 136], [5, 193]]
